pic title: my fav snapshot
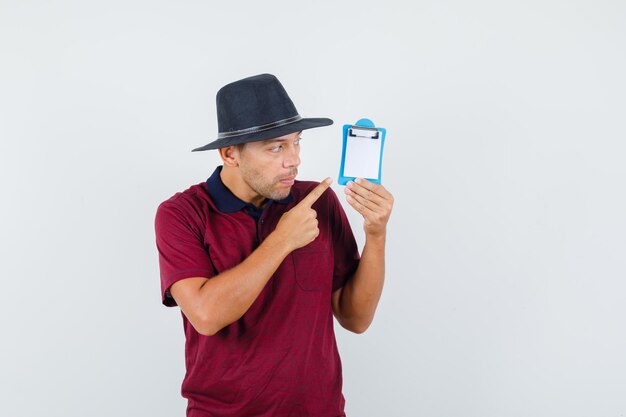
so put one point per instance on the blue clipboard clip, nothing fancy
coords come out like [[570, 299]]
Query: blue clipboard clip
[[369, 154]]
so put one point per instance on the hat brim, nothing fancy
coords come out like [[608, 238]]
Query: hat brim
[[302, 124]]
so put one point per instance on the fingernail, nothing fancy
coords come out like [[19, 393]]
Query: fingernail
[[358, 180], [350, 184]]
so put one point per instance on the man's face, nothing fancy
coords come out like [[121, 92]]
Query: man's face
[[269, 167]]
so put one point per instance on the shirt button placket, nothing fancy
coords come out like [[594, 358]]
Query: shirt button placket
[[259, 230]]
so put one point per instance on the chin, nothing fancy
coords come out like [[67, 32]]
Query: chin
[[279, 195]]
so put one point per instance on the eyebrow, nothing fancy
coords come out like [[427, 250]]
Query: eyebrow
[[270, 141]]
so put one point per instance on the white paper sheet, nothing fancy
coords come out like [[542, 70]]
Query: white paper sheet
[[362, 157]]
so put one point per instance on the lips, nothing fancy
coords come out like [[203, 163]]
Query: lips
[[288, 180]]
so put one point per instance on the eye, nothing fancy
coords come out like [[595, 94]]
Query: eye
[[297, 141], [276, 149]]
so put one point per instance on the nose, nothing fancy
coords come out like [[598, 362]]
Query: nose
[[292, 157]]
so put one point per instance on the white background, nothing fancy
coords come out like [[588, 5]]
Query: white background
[[505, 152]]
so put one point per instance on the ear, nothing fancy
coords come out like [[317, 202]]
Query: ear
[[230, 156]]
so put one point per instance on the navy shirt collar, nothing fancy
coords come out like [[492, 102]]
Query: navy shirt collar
[[227, 202]]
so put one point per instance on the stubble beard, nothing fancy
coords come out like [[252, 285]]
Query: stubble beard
[[254, 179]]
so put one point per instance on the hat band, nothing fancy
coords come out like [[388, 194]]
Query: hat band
[[224, 135]]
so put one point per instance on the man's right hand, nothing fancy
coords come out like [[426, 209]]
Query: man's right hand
[[298, 226]]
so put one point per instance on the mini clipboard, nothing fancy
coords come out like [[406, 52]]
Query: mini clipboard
[[362, 152]]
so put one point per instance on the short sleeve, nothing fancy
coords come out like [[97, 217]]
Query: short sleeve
[[182, 252], [346, 252]]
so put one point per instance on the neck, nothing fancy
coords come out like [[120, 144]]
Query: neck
[[233, 181]]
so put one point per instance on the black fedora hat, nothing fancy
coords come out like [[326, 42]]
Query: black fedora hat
[[256, 108]]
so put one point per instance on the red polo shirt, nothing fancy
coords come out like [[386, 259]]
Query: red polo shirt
[[280, 358]]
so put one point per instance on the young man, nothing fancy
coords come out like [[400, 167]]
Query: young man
[[259, 263]]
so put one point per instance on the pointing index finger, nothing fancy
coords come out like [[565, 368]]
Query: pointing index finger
[[315, 193]]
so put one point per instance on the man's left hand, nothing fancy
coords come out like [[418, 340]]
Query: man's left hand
[[374, 203]]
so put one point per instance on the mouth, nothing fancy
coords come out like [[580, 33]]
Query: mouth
[[288, 180]]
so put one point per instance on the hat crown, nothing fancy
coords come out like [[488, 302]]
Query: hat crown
[[253, 101]]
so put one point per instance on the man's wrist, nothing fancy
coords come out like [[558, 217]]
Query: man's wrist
[[379, 238], [278, 244]]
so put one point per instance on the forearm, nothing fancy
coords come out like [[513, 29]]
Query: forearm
[[227, 296], [360, 295], [211, 304]]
